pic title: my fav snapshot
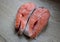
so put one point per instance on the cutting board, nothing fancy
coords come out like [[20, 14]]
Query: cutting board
[[8, 10]]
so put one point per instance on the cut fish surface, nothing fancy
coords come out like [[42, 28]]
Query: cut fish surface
[[23, 15], [38, 20]]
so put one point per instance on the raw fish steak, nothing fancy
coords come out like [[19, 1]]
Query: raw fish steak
[[38, 20], [23, 15], [31, 20]]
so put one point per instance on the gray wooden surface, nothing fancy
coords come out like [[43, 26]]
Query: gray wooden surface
[[8, 10]]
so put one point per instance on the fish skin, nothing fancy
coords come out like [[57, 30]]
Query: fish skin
[[40, 16]]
